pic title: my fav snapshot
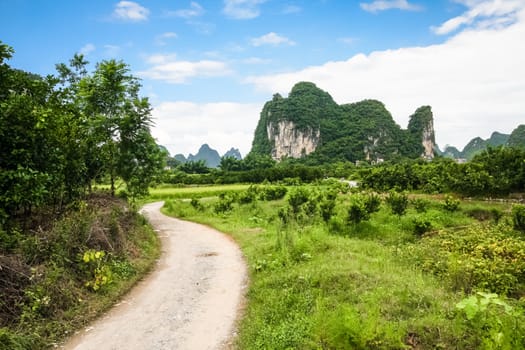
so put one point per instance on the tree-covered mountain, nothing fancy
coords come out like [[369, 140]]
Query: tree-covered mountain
[[478, 145], [207, 154], [310, 123], [517, 137]]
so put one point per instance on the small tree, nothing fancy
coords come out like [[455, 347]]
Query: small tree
[[398, 202]]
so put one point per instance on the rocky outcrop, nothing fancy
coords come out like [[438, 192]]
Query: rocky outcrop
[[310, 123], [421, 127], [428, 140], [289, 141]]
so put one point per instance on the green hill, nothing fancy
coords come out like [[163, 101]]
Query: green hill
[[309, 123]]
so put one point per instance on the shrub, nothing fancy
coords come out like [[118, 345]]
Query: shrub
[[271, 193], [224, 205], [398, 202], [421, 226], [297, 198], [451, 204], [518, 217], [196, 204], [420, 204], [357, 211], [372, 203], [326, 208]]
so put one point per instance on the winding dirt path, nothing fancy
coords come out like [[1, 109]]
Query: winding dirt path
[[190, 301]]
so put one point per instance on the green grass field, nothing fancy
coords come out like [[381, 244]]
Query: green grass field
[[170, 192], [377, 284]]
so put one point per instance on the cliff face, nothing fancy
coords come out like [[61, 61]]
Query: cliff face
[[289, 141], [421, 128], [308, 123]]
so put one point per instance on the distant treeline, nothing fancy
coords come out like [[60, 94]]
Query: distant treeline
[[495, 171]]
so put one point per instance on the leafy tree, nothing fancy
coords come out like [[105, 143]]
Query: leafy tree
[[230, 164], [194, 167]]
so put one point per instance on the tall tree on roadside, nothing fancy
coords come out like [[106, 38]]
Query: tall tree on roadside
[[119, 122]]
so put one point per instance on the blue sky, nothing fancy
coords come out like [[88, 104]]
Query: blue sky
[[209, 66]]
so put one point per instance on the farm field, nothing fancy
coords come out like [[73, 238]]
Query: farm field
[[334, 268]]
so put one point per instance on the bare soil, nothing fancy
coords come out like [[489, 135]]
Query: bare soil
[[190, 301]]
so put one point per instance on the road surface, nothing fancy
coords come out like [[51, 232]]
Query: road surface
[[190, 301]]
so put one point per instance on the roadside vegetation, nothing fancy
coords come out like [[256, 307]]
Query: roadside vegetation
[[339, 268], [67, 251]]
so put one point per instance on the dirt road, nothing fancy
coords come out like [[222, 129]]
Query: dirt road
[[190, 301]]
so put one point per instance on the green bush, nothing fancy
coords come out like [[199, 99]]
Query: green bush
[[326, 208], [297, 197], [492, 322], [518, 217], [372, 203], [224, 204], [451, 204], [357, 212], [271, 193], [420, 204], [480, 258], [196, 204], [421, 226], [398, 202]]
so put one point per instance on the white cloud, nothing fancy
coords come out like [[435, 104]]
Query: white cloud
[[271, 39], [482, 14], [167, 68], [184, 126], [382, 5], [87, 49], [475, 81], [131, 11], [163, 38], [242, 9], [195, 10]]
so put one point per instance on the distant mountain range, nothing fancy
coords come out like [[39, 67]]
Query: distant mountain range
[[209, 155], [477, 144]]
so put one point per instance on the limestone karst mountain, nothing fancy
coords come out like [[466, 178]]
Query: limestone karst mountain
[[309, 123]]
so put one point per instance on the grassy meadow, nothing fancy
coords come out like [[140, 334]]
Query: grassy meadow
[[335, 269]]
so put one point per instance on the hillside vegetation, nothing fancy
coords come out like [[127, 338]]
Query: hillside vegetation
[[358, 131], [67, 252]]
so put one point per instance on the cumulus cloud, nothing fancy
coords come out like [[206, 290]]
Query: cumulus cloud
[[167, 68], [87, 49], [382, 5], [271, 39], [475, 81], [195, 10], [184, 126], [482, 14], [131, 11], [242, 9]]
